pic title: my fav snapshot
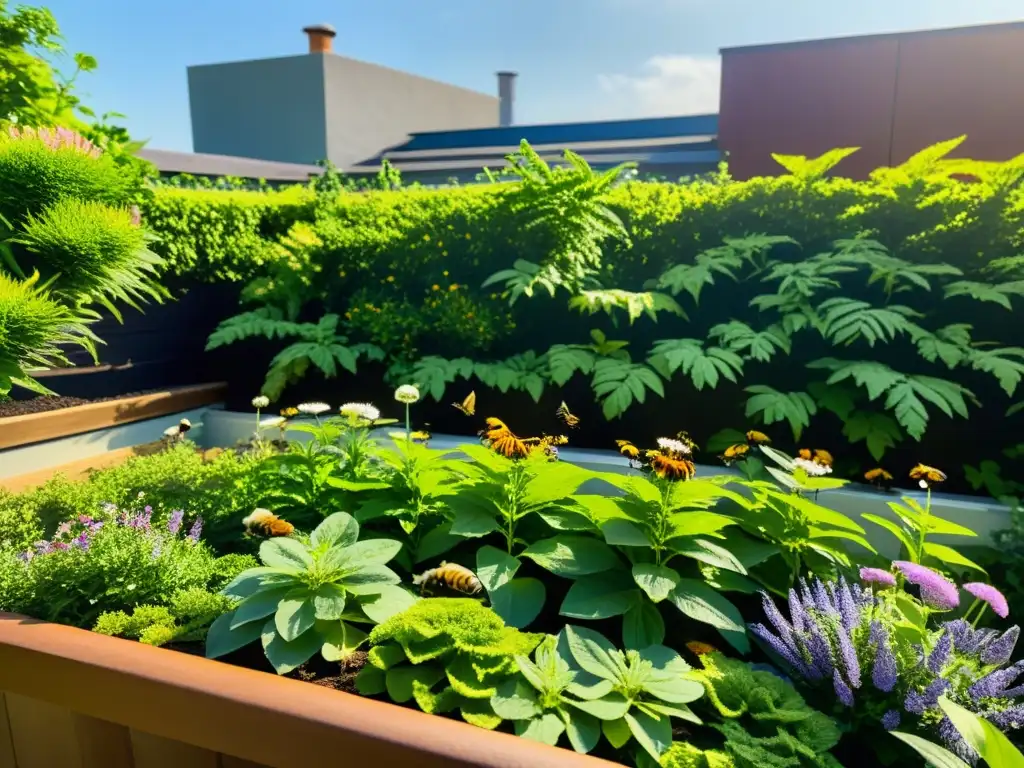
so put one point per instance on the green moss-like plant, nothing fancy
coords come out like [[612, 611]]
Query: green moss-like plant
[[446, 654], [764, 722], [90, 252], [186, 619]]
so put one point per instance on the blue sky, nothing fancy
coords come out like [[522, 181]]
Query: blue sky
[[577, 59]]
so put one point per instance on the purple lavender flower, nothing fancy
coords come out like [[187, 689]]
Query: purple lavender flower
[[82, 541], [1000, 650], [196, 529], [797, 613], [148, 509], [891, 720], [26, 556], [993, 685], [878, 576], [174, 521], [955, 742], [883, 671], [847, 605], [940, 653], [989, 594], [918, 701], [936, 590], [1009, 718], [776, 644], [822, 600], [848, 654], [842, 690], [43, 547], [821, 654]]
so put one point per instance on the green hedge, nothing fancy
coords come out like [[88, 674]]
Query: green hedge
[[908, 327], [213, 235]]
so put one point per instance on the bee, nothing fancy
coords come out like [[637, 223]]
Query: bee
[[263, 522], [735, 452], [627, 449], [289, 412], [178, 431], [467, 406], [698, 648], [449, 576], [566, 415], [926, 475], [819, 456], [878, 476], [757, 438]]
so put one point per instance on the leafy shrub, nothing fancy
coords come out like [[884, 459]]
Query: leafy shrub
[[35, 175], [90, 252], [311, 591], [111, 562], [446, 654], [186, 618], [878, 661], [33, 328]]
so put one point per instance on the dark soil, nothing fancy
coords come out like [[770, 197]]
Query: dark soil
[[55, 403]]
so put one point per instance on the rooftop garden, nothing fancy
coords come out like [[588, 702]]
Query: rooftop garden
[[680, 474]]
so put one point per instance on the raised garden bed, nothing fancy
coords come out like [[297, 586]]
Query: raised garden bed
[[75, 698], [49, 424]]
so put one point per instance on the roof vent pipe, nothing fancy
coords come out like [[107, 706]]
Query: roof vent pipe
[[321, 38], [506, 97]]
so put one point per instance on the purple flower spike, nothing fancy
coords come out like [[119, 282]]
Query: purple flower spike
[[917, 702], [891, 720], [849, 657], [797, 613], [940, 653], [776, 644], [990, 595], [936, 590], [877, 576], [883, 671], [843, 691], [1000, 650], [196, 530], [174, 521], [82, 541]]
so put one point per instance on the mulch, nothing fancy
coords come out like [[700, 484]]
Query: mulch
[[45, 403]]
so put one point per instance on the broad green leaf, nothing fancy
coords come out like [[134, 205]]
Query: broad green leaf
[[938, 757], [622, 533], [390, 600], [472, 522], [369, 579], [642, 626], [616, 731], [701, 603], [281, 552], [337, 530], [371, 552], [667, 678], [515, 699], [258, 606], [519, 601], [583, 730], [495, 568], [329, 602], [987, 740], [546, 729], [256, 580], [950, 556], [572, 556], [600, 596], [657, 581], [222, 638], [709, 553], [654, 734], [594, 653], [903, 537], [340, 640], [286, 656], [295, 614], [400, 680]]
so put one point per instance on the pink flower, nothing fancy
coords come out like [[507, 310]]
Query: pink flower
[[989, 594], [877, 576], [936, 590]]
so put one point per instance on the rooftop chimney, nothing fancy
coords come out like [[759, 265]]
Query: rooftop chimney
[[506, 97], [321, 37]]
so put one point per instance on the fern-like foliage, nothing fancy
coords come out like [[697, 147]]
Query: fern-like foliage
[[704, 366], [771, 406], [879, 431], [750, 344], [568, 202], [905, 395], [930, 163], [803, 279], [635, 304], [813, 168], [951, 344], [895, 275], [319, 346], [724, 260], [844, 321], [433, 374], [524, 278], [997, 293], [1006, 364], [266, 322], [527, 372], [619, 383], [565, 360]]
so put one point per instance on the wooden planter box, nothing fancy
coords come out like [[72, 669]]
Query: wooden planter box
[[74, 699], [36, 427]]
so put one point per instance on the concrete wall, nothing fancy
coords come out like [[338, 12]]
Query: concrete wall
[[891, 95], [270, 109], [370, 108]]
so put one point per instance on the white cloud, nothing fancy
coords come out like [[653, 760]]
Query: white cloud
[[668, 85]]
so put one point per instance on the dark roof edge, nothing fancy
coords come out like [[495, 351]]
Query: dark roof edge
[[204, 164], [622, 121], [968, 29]]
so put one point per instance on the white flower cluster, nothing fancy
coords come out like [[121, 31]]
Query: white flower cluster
[[812, 468], [313, 409], [673, 446], [362, 411], [408, 394], [260, 402]]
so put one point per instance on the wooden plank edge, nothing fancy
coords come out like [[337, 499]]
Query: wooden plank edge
[[30, 428], [78, 470]]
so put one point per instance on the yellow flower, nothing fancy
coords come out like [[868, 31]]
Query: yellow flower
[[426, 238], [453, 287], [391, 278], [468, 237], [445, 273], [435, 287]]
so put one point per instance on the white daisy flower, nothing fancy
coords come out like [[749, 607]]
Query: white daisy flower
[[811, 468], [260, 402], [408, 394], [363, 411], [273, 421], [313, 409], [673, 446]]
